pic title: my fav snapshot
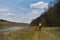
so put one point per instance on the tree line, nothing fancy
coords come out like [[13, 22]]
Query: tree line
[[51, 17]]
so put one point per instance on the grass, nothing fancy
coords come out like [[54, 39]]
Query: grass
[[25, 34], [47, 33], [55, 31], [2, 27]]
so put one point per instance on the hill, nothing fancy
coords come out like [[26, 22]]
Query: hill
[[8, 23], [49, 17]]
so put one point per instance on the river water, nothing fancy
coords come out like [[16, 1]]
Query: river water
[[10, 29]]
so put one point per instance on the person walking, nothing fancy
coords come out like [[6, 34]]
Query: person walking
[[40, 26]]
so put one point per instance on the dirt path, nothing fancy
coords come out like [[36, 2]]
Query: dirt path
[[43, 35], [35, 37]]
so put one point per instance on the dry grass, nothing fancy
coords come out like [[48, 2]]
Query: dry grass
[[47, 33]]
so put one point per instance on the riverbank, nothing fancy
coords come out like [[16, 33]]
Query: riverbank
[[47, 33], [3, 27], [24, 34]]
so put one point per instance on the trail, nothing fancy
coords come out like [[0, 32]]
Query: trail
[[35, 37], [43, 35]]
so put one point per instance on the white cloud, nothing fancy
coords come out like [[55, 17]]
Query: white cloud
[[34, 11], [40, 5], [2, 9], [5, 11], [11, 14], [38, 9]]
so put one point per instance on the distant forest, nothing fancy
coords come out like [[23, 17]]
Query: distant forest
[[51, 17]]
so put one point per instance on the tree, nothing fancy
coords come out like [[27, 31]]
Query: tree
[[50, 17]]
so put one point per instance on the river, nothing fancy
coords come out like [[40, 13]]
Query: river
[[10, 29]]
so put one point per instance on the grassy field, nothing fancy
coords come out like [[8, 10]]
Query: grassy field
[[47, 33], [25, 34], [1, 27]]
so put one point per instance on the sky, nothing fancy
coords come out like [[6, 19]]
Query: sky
[[22, 11]]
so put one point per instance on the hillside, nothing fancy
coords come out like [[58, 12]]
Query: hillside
[[49, 17], [8, 23]]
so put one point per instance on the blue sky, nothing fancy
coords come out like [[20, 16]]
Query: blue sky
[[22, 11]]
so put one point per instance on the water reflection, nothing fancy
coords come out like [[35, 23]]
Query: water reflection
[[9, 29]]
